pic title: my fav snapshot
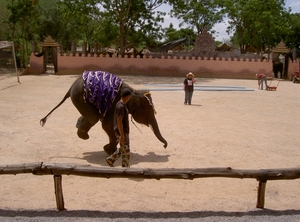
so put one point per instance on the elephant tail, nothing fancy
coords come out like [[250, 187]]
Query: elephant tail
[[43, 121]]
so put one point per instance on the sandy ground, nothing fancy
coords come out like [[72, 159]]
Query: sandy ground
[[240, 129]]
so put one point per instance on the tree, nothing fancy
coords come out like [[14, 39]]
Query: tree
[[197, 14], [80, 21], [256, 24], [118, 22], [49, 21], [4, 14], [171, 34], [136, 20], [22, 21], [293, 39]]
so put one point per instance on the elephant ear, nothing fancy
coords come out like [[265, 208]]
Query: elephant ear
[[147, 95]]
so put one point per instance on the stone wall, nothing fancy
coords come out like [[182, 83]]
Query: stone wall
[[164, 66]]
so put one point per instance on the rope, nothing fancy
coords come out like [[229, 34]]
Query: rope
[[135, 125]]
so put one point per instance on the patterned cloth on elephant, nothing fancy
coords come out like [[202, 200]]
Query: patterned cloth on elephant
[[100, 89]]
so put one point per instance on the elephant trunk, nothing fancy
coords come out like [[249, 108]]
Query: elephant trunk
[[154, 127]]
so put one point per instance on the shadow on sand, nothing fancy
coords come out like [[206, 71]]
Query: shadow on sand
[[98, 157]]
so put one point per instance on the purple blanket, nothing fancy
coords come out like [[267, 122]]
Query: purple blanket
[[100, 89]]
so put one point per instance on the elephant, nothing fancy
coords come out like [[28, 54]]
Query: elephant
[[140, 106], [281, 67], [277, 68]]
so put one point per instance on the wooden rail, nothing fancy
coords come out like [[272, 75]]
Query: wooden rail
[[59, 169]]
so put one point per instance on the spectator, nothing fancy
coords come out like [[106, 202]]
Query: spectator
[[262, 78], [188, 86]]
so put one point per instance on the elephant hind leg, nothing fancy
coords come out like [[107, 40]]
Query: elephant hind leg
[[90, 116], [89, 113], [83, 126]]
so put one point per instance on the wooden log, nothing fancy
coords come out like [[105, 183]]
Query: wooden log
[[148, 173], [60, 204], [261, 194], [172, 173], [20, 168]]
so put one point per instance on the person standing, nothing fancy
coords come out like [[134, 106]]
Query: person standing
[[121, 127], [262, 78], [188, 86]]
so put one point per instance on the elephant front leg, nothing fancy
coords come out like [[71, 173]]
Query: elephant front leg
[[83, 126], [110, 148]]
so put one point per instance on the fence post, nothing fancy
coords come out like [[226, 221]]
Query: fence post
[[59, 192], [261, 190]]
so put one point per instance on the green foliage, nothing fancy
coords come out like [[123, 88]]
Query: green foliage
[[171, 34], [293, 38], [136, 23], [255, 23], [79, 22], [120, 23], [4, 14], [50, 21], [197, 14], [218, 43], [132, 21], [22, 24]]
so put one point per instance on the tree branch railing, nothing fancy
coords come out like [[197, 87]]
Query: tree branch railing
[[59, 169]]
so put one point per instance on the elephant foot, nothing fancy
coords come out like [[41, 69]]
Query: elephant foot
[[82, 134]]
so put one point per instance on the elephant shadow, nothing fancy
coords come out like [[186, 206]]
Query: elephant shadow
[[98, 157]]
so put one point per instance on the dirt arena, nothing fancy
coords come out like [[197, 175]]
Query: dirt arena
[[256, 129]]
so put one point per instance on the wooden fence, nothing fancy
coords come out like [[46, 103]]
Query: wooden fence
[[58, 169]]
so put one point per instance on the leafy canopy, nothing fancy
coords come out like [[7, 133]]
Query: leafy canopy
[[256, 23], [121, 23], [197, 14]]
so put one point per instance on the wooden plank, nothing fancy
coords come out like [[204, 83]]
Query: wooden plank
[[261, 194], [149, 173], [20, 168], [59, 192]]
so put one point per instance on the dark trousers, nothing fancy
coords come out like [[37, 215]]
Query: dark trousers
[[188, 97]]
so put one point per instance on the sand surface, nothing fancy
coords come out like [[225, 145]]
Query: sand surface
[[256, 129]]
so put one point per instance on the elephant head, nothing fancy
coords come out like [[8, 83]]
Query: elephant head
[[141, 107], [142, 110]]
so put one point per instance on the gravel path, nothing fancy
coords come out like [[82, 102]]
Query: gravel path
[[206, 216]]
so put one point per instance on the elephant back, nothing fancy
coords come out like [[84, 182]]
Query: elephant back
[[100, 89]]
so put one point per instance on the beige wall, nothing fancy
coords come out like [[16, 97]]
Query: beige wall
[[165, 66]]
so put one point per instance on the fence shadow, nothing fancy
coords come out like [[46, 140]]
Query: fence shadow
[[143, 215], [98, 157]]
